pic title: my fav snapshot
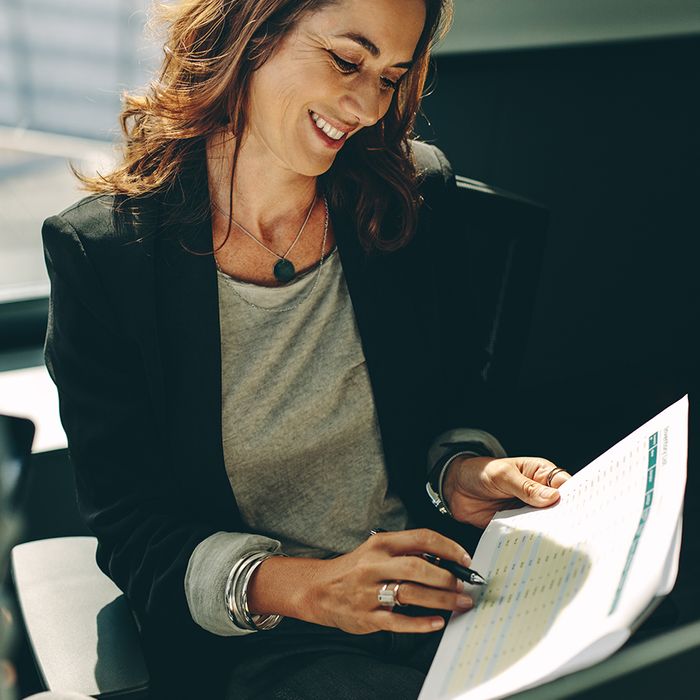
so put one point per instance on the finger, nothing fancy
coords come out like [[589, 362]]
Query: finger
[[537, 468], [435, 598], [418, 570], [558, 479], [421, 540], [391, 622], [545, 472], [540, 469], [527, 490]]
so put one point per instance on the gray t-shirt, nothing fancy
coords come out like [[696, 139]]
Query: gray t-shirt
[[301, 440]]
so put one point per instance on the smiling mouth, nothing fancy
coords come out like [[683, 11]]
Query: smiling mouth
[[330, 131]]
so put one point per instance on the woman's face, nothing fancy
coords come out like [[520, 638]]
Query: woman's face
[[332, 75]]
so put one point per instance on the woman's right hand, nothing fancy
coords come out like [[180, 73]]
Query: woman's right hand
[[342, 592]]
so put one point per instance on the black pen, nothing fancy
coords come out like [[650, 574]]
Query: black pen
[[461, 572]]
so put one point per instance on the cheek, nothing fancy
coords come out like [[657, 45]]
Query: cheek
[[284, 90], [387, 105], [271, 99]]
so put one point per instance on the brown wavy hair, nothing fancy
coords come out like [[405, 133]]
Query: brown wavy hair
[[211, 50]]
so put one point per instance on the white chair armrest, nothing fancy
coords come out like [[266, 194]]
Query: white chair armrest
[[79, 624]]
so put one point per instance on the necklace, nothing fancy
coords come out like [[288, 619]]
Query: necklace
[[311, 291], [283, 270]]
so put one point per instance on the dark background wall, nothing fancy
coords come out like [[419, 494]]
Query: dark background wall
[[608, 137]]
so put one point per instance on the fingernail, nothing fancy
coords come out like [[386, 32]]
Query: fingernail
[[464, 602], [546, 492], [437, 623], [466, 560]]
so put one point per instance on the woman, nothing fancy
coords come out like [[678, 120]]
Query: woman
[[248, 336]]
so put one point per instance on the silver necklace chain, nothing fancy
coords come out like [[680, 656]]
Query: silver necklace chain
[[259, 242], [311, 291]]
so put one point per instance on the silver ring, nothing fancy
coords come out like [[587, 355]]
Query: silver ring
[[390, 598], [553, 473]]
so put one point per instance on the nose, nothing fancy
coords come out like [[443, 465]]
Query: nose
[[365, 103]]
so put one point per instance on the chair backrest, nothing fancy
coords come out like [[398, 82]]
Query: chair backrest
[[23, 323], [16, 436], [505, 244]]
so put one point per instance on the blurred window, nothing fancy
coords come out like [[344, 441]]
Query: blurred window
[[63, 67], [65, 63]]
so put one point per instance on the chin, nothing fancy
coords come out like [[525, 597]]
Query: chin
[[315, 168]]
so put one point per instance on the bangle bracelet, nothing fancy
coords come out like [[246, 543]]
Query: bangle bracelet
[[234, 612], [240, 589], [259, 622], [232, 592], [436, 475], [238, 585], [236, 594]]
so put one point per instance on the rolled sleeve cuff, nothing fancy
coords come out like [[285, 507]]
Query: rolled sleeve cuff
[[461, 441], [207, 572]]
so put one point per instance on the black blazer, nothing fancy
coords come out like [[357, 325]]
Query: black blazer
[[133, 346]]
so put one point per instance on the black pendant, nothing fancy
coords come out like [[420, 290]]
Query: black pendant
[[284, 270]]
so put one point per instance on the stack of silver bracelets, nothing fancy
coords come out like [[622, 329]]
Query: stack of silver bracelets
[[236, 593]]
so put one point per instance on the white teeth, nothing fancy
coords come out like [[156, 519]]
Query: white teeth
[[327, 129], [333, 133]]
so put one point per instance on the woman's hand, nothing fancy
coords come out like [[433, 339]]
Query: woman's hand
[[342, 592], [475, 488]]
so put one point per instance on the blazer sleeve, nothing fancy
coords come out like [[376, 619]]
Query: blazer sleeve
[[145, 537]]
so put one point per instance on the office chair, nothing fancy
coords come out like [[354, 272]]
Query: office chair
[[16, 436], [80, 627]]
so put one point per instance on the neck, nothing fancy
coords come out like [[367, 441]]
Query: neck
[[272, 212]]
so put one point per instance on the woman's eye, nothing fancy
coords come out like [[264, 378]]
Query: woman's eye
[[348, 67], [345, 66]]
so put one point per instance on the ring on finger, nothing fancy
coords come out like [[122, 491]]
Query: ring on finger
[[397, 585], [389, 598], [553, 473]]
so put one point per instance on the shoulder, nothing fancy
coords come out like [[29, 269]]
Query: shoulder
[[92, 248], [96, 264], [90, 219], [90, 216], [64, 235], [436, 181], [93, 227], [101, 219], [433, 167]]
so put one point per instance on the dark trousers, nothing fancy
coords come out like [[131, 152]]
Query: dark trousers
[[301, 661]]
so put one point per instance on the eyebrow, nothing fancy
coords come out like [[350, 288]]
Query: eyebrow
[[371, 47]]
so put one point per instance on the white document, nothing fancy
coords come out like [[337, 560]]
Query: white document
[[568, 584]]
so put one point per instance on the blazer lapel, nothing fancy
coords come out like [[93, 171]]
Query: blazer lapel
[[188, 325], [391, 296]]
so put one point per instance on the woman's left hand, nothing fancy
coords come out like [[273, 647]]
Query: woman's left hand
[[475, 488]]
